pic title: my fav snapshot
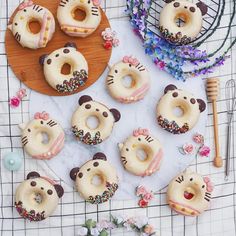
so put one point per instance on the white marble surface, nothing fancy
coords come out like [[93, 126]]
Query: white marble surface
[[141, 114]]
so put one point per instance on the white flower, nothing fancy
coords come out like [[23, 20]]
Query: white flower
[[82, 231], [94, 232], [141, 221]]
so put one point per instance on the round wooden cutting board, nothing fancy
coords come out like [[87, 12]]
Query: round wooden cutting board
[[25, 62]]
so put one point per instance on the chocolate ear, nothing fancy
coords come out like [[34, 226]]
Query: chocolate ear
[[59, 190], [100, 156], [169, 1], [42, 59], [203, 7], [202, 105], [170, 87], [71, 45], [33, 175], [84, 99], [116, 114], [74, 172]]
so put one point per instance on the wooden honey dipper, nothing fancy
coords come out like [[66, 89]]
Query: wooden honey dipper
[[212, 88]]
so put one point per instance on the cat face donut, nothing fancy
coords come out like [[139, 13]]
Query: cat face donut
[[189, 193], [66, 17], [83, 178], [106, 118], [37, 197], [53, 64], [177, 98], [140, 80], [189, 12], [29, 12], [42, 138]]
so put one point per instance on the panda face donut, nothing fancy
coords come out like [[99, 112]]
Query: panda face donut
[[28, 12], [140, 80], [141, 140], [53, 64], [190, 13], [71, 26], [83, 177], [189, 193], [42, 137], [37, 197], [106, 119], [176, 98]]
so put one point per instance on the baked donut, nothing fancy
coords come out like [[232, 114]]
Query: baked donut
[[177, 98], [105, 116], [188, 13], [28, 12], [189, 193], [140, 80], [96, 193], [42, 138], [53, 64], [79, 28], [141, 140], [37, 197]]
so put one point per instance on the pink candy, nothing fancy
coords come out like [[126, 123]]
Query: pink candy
[[96, 3], [210, 185], [131, 60], [26, 4], [42, 116], [140, 131]]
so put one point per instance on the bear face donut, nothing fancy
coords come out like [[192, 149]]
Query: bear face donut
[[140, 80], [28, 12], [42, 138], [106, 118], [79, 28], [93, 192], [53, 64], [141, 140], [189, 193], [189, 13], [37, 197], [190, 106]]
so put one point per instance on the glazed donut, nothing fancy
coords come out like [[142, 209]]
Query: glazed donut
[[42, 138], [53, 64], [177, 98], [140, 80], [71, 26], [189, 193], [89, 108], [83, 177], [141, 140], [37, 197], [29, 12], [189, 12]]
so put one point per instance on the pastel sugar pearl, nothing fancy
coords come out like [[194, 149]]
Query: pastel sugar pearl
[[13, 161]]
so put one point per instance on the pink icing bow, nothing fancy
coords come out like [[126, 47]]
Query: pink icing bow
[[131, 60], [97, 2], [41, 116], [209, 184], [25, 4], [140, 131]]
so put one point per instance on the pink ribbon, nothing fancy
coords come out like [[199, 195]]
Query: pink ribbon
[[25, 4], [140, 131], [131, 60], [41, 116], [209, 184], [97, 3]]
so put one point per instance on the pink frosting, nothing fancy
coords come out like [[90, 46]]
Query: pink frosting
[[97, 2], [131, 60], [41, 116], [25, 4], [209, 184], [140, 131]]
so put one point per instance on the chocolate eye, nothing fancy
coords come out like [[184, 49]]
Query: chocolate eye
[[192, 9], [57, 55], [29, 130], [176, 4], [89, 1], [95, 164], [16, 24], [33, 183], [116, 71], [139, 139], [88, 106], [80, 175], [50, 192], [127, 149], [105, 114], [49, 61], [130, 65], [203, 186], [191, 179], [185, 98], [97, 109], [41, 122], [42, 188], [25, 10], [192, 100], [66, 51], [88, 169], [175, 94]]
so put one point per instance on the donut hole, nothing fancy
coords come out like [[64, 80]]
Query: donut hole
[[92, 122], [181, 20], [79, 14], [178, 111], [97, 180], [38, 198], [45, 138], [128, 81], [34, 26], [141, 154], [66, 69]]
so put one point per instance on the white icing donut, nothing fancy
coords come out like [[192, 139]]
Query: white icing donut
[[53, 64], [28, 12], [140, 80], [189, 12], [141, 139], [73, 27], [83, 177], [189, 193], [106, 119], [187, 102], [42, 138], [37, 197]]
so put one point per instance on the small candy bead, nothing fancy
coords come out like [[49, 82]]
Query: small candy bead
[[13, 161]]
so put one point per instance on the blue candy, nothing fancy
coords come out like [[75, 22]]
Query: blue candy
[[13, 161]]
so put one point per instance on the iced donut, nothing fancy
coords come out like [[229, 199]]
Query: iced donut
[[92, 191], [66, 15], [188, 13], [29, 12], [141, 140], [106, 118], [42, 138], [189, 193], [37, 197], [190, 106], [140, 80]]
